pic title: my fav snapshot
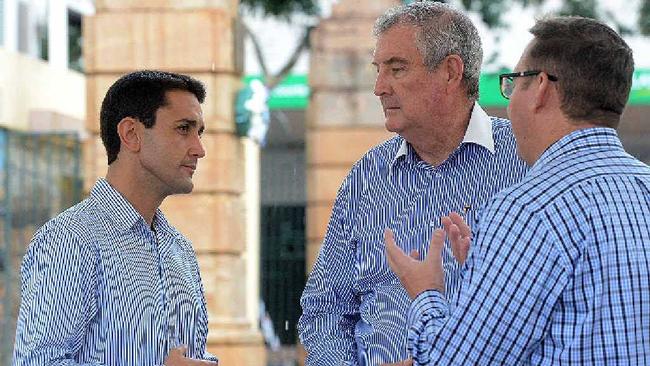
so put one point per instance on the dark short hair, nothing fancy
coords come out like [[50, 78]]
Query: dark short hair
[[593, 64], [139, 95]]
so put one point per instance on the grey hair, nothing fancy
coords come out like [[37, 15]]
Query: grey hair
[[441, 30]]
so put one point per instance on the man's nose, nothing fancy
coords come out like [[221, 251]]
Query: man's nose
[[197, 147], [382, 86]]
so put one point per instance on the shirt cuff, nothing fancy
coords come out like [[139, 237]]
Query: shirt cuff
[[210, 357], [428, 304], [426, 315]]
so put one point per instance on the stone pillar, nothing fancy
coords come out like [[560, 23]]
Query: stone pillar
[[194, 37], [344, 118]]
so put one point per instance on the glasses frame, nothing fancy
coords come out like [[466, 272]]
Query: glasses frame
[[512, 75]]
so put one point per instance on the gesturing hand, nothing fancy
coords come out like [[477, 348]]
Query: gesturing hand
[[417, 276], [460, 235]]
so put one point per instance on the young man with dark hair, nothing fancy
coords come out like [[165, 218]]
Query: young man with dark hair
[[110, 281], [559, 270]]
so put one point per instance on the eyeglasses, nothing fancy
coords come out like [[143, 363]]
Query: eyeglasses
[[507, 81]]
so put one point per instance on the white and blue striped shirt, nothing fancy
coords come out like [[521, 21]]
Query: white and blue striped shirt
[[559, 272], [354, 308], [100, 287]]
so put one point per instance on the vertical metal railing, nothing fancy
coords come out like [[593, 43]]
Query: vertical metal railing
[[5, 265], [40, 176], [283, 267]]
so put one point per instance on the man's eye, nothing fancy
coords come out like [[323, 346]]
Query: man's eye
[[395, 70], [184, 128]]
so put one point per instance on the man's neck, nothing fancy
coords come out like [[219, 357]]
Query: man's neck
[[143, 199], [551, 131], [435, 146]]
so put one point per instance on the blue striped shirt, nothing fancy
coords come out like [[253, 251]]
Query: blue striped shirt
[[100, 287], [354, 308], [559, 272]]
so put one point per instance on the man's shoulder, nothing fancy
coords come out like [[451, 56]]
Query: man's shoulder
[[78, 220], [385, 150], [71, 234], [379, 155], [536, 191]]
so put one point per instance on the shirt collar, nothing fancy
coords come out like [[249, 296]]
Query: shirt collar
[[120, 210], [596, 138], [479, 131]]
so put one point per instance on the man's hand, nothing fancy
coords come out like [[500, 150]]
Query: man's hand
[[408, 362], [460, 235], [176, 357], [417, 276]]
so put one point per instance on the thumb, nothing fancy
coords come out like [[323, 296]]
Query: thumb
[[435, 246], [397, 259], [182, 349], [392, 251]]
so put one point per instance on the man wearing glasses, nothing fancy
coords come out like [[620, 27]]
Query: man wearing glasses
[[448, 156], [559, 270]]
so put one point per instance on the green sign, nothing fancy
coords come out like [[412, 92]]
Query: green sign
[[640, 93], [491, 96], [293, 92]]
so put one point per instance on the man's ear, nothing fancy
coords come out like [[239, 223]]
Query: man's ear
[[545, 91], [455, 68], [130, 129]]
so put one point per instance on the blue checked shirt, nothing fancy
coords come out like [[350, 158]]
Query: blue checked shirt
[[99, 287], [559, 272], [354, 308]]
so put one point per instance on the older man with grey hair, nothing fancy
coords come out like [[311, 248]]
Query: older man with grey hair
[[448, 155]]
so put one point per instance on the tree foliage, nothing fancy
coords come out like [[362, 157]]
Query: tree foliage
[[644, 18], [282, 8], [583, 8], [489, 10]]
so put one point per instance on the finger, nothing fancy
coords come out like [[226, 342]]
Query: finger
[[457, 219], [458, 247], [446, 222], [414, 254], [464, 247], [207, 363], [401, 363], [454, 236], [181, 350], [396, 257]]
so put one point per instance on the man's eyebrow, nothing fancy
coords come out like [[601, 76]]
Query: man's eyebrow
[[192, 122], [393, 60]]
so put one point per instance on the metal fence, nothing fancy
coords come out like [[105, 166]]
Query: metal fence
[[283, 267], [40, 176]]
